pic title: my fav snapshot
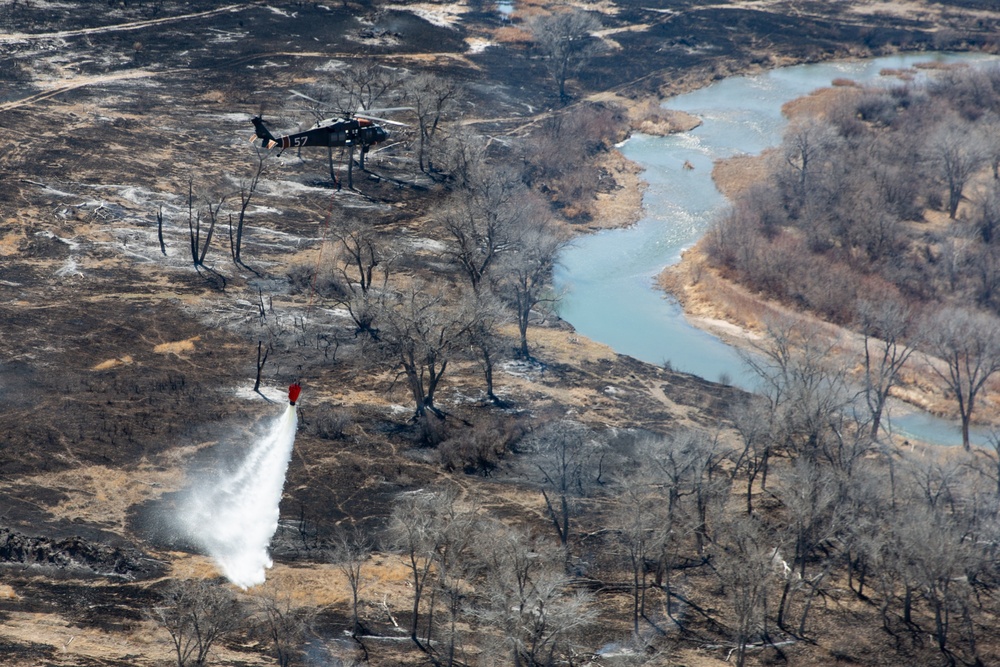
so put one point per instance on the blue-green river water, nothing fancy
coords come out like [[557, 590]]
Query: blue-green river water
[[608, 278]]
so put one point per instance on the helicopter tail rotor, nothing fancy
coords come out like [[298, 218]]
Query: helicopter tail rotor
[[261, 132]]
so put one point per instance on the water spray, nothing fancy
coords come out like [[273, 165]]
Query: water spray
[[233, 515]]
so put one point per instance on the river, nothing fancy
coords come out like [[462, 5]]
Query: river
[[608, 278]]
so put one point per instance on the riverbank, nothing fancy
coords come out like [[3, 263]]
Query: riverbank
[[623, 206], [739, 317]]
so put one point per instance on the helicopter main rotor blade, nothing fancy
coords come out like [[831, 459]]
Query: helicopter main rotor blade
[[381, 120], [379, 150], [382, 110], [306, 97]]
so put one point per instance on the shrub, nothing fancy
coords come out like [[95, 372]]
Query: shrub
[[480, 448], [329, 422]]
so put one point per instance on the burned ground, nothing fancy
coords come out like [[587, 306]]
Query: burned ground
[[132, 366]]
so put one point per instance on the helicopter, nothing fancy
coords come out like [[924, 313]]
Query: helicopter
[[350, 131], [330, 132]]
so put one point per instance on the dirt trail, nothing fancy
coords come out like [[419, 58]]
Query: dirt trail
[[134, 25], [80, 82]]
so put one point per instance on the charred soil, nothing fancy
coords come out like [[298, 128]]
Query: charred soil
[[124, 366]]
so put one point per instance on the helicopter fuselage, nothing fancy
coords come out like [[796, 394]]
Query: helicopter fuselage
[[330, 132]]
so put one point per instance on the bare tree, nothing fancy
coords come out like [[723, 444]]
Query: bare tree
[[526, 599], [744, 565], [638, 519], [412, 530], [432, 99], [485, 220], [566, 39], [362, 85], [884, 325], [364, 259], [524, 280], [806, 144], [199, 249], [365, 307], [937, 554], [248, 187], [708, 487], [986, 214], [563, 454], [968, 343], [453, 568], [994, 442], [984, 265], [420, 332], [262, 354], [489, 344], [283, 623], [957, 154], [665, 457], [753, 421], [196, 614], [351, 549], [159, 230], [462, 154], [812, 500], [810, 395], [431, 532]]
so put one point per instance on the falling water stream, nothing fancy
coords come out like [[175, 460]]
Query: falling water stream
[[232, 514], [608, 277]]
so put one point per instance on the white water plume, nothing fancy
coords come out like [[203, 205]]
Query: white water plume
[[233, 515]]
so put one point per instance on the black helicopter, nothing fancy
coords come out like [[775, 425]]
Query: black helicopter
[[359, 130], [331, 132]]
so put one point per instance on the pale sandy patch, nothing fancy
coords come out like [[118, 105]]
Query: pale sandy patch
[[818, 103], [103, 496], [623, 206], [146, 644], [442, 15], [10, 242], [733, 176], [114, 363], [478, 44], [565, 346], [177, 347]]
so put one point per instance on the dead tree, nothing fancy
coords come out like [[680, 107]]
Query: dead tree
[[416, 530], [957, 154], [196, 614], [283, 623], [524, 278], [488, 343], [199, 249], [566, 39], [159, 230], [420, 332], [485, 220], [526, 600], [968, 342], [743, 562], [351, 548], [262, 353], [432, 98], [883, 324], [248, 187]]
